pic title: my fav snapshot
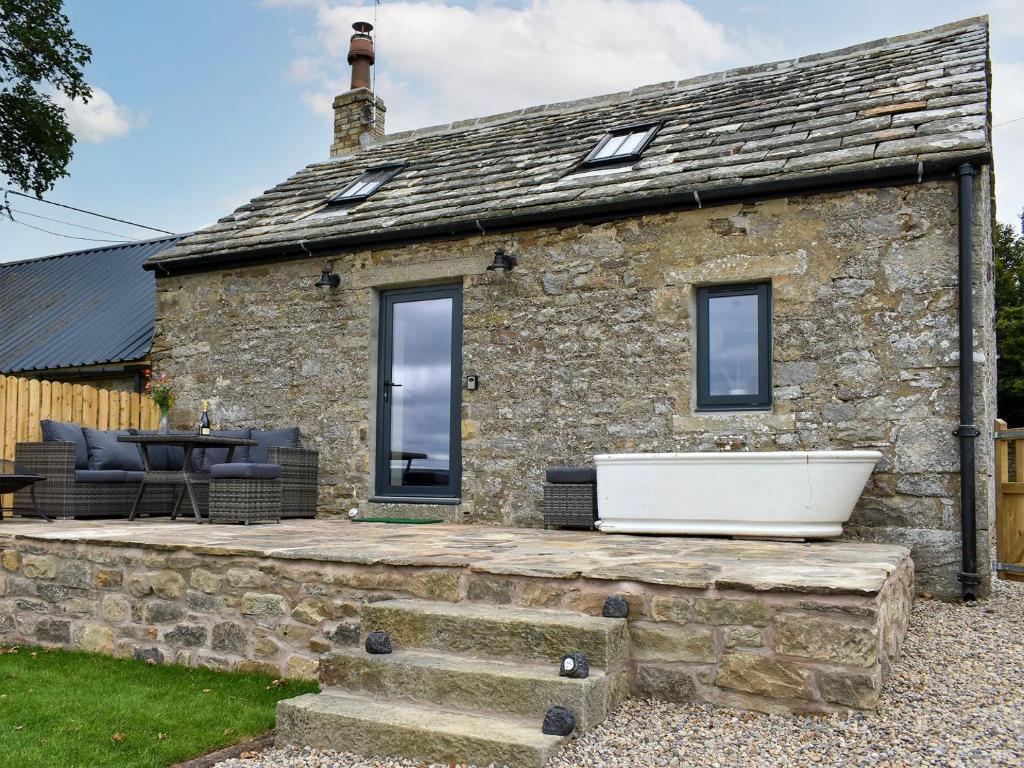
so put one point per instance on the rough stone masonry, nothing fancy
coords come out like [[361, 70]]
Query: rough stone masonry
[[587, 347], [758, 625]]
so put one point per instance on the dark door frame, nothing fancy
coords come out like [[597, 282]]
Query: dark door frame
[[434, 494]]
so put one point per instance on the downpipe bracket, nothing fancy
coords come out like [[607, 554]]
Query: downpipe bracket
[[966, 430], [969, 583]]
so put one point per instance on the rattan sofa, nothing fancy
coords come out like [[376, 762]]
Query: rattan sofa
[[70, 492], [62, 496]]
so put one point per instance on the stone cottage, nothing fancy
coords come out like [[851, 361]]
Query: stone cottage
[[768, 256]]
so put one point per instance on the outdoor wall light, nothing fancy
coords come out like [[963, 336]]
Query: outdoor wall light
[[328, 278], [503, 262]]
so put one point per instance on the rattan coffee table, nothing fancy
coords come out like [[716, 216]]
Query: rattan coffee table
[[13, 479], [183, 477]]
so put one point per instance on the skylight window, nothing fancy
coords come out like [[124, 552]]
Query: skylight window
[[371, 180], [622, 145]]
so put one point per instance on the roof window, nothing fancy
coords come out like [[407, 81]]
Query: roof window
[[371, 180], [622, 145]]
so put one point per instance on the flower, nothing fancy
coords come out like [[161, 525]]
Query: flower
[[162, 391]]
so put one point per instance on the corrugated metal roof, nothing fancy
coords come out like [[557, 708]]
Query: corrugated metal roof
[[79, 308]]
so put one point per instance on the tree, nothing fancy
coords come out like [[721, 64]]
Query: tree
[[38, 52], [1009, 290]]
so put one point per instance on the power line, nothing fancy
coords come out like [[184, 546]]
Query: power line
[[83, 210], [68, 223], [1015, 120], [59, 234]]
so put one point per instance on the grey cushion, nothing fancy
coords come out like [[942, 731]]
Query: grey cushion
[[175, 457], [210, 456], [267, 438], [162, 457], [574, 475], [133, 477], [157, 453], [106, 453], [100, 475], [245, 471], [64, 432], [158, 456]]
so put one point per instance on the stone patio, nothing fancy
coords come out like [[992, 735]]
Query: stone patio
[[757, 624]]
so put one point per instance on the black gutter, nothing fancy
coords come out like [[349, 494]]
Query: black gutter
[[903, 173], [967, 431]]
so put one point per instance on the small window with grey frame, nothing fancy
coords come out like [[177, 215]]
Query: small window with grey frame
[[358, 190], [368, 183], [734, 347], [622, 145]]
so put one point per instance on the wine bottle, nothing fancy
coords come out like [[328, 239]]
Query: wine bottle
[[204, 420]]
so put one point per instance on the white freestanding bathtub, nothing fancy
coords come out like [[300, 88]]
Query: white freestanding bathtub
[[798, 494]]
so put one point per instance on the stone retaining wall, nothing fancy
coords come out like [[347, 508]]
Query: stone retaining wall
[[767, 651]]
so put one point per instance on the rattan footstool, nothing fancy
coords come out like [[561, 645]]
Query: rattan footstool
[[245, 493], [570, 497]]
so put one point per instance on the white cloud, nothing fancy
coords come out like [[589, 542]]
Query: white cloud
[[101, 118], [1007, 27], [439, 62], [1006, 18], [303, 69], [1008, 139], [320, 101]]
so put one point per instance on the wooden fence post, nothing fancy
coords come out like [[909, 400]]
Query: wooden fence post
[[1009, 506]]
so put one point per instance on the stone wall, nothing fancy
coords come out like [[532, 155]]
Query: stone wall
[[780, 651], [587, 347]]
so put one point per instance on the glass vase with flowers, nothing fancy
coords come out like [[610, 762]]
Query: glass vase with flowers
[[160, 389]]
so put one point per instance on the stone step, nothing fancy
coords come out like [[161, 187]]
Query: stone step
[[472, 684], [499, 631], [363, 725]]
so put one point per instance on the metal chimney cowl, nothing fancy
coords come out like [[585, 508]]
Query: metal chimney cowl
[[361, 55], [358, 113]]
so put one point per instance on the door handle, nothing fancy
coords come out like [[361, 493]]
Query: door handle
[[387, 389]]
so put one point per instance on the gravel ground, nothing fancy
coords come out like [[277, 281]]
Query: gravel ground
[[956, 698]]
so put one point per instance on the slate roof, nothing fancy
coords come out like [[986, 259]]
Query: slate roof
[[913, 105], [80, 308]]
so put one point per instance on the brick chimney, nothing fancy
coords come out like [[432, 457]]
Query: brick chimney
[[356, 123]]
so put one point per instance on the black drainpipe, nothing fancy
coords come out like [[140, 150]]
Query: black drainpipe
[[967, 431]]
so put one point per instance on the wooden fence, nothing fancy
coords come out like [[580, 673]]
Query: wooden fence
[[24, 402], [1009, 502]]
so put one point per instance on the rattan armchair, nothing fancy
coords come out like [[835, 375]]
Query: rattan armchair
[[300, 480]]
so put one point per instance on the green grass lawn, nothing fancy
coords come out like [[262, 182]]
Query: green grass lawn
[[69, 709]]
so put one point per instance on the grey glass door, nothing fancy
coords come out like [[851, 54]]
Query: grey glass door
[[418, 398]]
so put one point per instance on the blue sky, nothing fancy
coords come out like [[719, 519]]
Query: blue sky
[[203, 104]]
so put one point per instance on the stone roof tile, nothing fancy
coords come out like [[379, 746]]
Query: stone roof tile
[[921, 145], [881, 105]]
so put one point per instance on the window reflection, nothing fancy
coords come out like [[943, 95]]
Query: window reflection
[[421, 367], [732, 345]]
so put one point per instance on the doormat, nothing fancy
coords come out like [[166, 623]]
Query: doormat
[[398, 520]]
